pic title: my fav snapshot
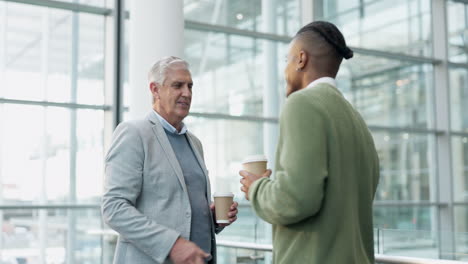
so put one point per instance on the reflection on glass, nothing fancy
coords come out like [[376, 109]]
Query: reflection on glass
[[225, 144], [90, 88], [90, 156], [406, 166], [42, 236], [457, 19], [459, 98], [229, 73], [411, 243], [248, 227], [460, 168], [461, 232], [404, 218], [37, 60], [38, 49], [371, 24], [35, 154], [245, 14], [388, 92], [244, 256]]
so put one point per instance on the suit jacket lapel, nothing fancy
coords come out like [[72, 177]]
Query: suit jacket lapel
[[166, 145]]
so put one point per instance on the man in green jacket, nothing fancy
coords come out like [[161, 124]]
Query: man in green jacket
[[327, 168]]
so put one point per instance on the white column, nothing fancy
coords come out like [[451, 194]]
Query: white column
[[270, 92], [270, 81], [3, 35], [156, 30]]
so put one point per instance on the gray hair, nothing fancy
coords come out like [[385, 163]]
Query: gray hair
[[158, 71]]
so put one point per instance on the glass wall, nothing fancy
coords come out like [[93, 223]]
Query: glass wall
[[55, 113], [52, 119]]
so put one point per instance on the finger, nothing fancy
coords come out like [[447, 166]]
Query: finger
[[212, 206], [198, 260], [245, 173], [232, 219], [232, 213], [234, 206], [243, 188]]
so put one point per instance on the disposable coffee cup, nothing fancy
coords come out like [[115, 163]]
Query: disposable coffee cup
[[255, 164], [223, 202]]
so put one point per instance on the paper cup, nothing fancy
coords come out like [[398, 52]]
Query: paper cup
[[255, 164], [223, 202]]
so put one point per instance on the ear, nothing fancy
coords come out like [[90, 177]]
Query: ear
[[154, 88], [303, 59]]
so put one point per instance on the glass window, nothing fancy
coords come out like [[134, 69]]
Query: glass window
[[388, 92], [225, 144], [50, 154], [229, 72], [406, 166], [37, 59], [89, 156], [459, 98], [97, 3], [90, 87], [399, 26], [35, 147], [457, 31], [246, 14], [421, 243], [461, 232], [460, 167], [38, 47], [41, 236]]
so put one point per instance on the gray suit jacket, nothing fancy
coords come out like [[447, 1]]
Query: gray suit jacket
[[145, 198]]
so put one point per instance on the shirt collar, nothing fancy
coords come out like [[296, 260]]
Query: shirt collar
[[327, 80], [168, 126]]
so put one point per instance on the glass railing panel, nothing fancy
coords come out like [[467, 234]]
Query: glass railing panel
[[410, 243], [51, 236], [242, 256]]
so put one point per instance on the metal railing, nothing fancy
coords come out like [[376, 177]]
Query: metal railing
[[379, 258]]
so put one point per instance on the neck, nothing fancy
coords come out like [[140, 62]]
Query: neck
[[310, 77], [175, 122]]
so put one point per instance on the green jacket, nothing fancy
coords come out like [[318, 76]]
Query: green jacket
[[326, 174]]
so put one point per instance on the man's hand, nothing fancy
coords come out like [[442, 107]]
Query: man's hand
[[186, 252], [249, 178], [232, 213]]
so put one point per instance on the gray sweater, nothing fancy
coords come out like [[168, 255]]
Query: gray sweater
[[200, 230]]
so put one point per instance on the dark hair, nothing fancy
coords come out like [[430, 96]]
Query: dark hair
[[331, 34]]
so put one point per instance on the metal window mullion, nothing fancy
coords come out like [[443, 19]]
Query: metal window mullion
[[71, 234], [54, 104], [193, 25], [3, 35], [66, 6], [42, 214], [442, 121], [118, 62]]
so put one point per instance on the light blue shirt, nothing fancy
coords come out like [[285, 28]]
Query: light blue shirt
[[169, 127]]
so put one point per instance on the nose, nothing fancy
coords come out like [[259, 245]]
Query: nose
[[187, 91]]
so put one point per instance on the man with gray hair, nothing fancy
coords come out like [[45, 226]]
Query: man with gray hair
[[157, 190]]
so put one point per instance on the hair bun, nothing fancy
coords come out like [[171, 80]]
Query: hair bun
[[348, 53]]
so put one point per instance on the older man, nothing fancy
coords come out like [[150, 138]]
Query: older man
[[327, 168], [157, 190]]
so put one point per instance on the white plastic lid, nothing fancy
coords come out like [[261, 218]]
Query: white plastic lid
[[255, 158], [223, 194]]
